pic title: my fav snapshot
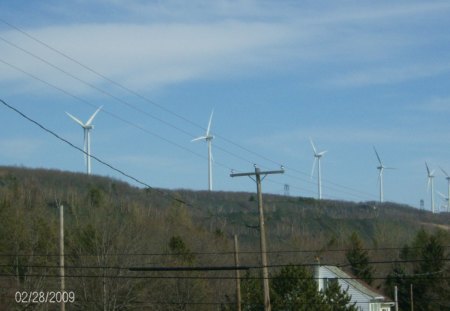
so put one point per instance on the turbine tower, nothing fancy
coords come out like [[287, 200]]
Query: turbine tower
[[381, 168], [87, 127], [317, 157], [430, 183], [448, 188], [208, 138]]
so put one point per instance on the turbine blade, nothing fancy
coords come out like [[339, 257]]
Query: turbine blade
[[199, 138], [322, 153], [209, 123], [314, 147], [428, 169], [443, 171], [441, 195], [378, 157], [313, 167], [75, 119], [93, 116]]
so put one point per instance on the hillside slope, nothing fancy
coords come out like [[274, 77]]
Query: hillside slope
[[111, 226]]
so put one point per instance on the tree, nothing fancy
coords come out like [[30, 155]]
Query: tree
[[424, 267], [358, 259], [338, 299], [293, 288]]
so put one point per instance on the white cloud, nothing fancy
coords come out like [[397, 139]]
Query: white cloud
[[437, 104], [18, 148], [388, 75], [144, 55], [333, 134], [211, 39]]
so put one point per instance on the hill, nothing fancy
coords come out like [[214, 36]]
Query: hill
[[111, 226]]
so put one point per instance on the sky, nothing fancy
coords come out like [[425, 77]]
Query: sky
[[350, 75]]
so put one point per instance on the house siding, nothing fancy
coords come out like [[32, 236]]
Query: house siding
[[363, 301]]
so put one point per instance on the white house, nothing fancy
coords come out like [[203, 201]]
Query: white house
[[366, 298]]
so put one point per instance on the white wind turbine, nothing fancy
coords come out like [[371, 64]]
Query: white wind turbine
[[381, 168], [448, 188], [430, 183], [87, 127], [208, 138], [317, 157]]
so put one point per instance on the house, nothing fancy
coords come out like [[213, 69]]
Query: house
[[365, 297]]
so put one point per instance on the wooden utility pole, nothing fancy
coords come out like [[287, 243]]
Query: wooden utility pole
[[396, 297], [412, 297], [61, 254], [262, 232], [238, 277]]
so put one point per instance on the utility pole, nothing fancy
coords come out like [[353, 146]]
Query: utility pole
[[262, 232], [238, 277], [396, 297], [61, 253], [412, 298]]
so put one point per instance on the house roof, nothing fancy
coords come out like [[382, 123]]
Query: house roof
[[360, 286]]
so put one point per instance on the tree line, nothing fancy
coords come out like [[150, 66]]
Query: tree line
[[111, 226]]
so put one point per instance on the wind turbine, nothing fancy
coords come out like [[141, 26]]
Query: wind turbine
[[87, 127], [317, 157], [430, 183], [208, 138], [381, 168], [448, 188]]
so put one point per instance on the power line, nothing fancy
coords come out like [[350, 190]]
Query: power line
[[195, 277], [92, 156], [140, 96], [223, 268], [139, 127], [377, 249]]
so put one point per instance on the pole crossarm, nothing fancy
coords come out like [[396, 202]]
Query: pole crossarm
[[257, 173]]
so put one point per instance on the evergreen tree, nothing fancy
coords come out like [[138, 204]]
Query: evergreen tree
[[358, 259], [294, 289], [426, 269], [338, 299]]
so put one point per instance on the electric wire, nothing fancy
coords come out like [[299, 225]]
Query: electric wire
[[84, 101], [378, 249], [93, 156], [145, 130], [194, 277], [143, 98], [160, 268]]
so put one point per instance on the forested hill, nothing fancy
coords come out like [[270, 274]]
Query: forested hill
[[109, 223]]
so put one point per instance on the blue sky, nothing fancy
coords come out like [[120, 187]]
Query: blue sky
[[351, 75]]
